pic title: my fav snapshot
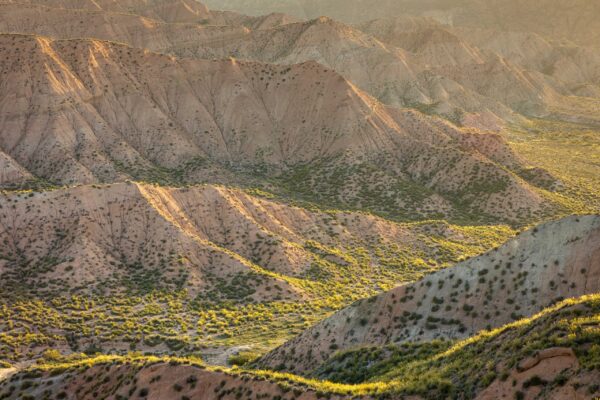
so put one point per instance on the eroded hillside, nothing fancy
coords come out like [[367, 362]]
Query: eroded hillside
[[166, 11], [149, 265], [209, 188], [464, 74], [575, 20], [84, 111], [539, 267]]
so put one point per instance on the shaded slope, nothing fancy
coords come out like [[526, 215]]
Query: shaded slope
[[554, 261]]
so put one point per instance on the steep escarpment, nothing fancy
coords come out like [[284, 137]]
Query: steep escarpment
[[541, 266]]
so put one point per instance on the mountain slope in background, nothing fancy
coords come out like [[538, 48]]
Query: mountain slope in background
[[83, 111], [560, 72], [170, 11], [416, 62], [575, 20], [427, 64]]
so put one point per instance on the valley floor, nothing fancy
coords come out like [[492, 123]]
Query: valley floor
[[569, 151]]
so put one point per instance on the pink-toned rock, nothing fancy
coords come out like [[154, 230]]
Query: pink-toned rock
[[544, 355], [545, 366]]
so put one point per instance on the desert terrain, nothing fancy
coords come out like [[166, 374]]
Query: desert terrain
[[299, 199]]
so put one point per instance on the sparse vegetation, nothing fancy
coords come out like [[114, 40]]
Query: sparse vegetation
[[162, 206], [147, 304], [430, 370]]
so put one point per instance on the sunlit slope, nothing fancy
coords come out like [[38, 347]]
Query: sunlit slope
[[104, 112]]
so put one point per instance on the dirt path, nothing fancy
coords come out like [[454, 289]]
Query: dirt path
[[219, 357], [6, 373]]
